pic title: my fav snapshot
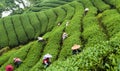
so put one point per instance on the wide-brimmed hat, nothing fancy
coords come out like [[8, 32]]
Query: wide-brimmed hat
[[47, 56], [75, 46]]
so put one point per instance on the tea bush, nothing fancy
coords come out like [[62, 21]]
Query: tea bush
[[13, 40], [19, 29], [27, 26], [3, 35]]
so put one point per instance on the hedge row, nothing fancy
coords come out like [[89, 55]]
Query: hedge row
[[88, 4], [52, 47], [13, 40], [115, 3], [92, 33], [113, 60], [21, 26], [44, 21], [27, 26], [4, 58], [61, 14], [73, 31], [32, 57], [100, 5], [110, 22], [35, 23], [19, 29], [52, 19], [21, 53], [46, 5], [3, 35], [90, 59], [70, 11], [58, 2]]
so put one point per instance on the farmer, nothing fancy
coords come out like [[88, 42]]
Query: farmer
[[46, 60], [9, 68], [40, 39], [75, 49], [65, 35], [17, 62], [86, 10]]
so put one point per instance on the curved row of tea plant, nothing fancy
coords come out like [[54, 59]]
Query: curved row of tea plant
[[16, 30]]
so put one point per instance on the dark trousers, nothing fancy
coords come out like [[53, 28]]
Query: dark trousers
[[17, 64], [48, 63], [75, 51]]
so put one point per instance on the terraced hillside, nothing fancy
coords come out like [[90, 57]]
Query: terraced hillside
[[97, 32]]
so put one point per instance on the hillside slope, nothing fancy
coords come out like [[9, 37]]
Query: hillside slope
[[97, 32]]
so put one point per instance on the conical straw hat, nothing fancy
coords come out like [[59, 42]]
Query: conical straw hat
[[75, 47]]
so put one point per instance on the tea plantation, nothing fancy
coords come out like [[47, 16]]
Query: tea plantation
[[97, 31]]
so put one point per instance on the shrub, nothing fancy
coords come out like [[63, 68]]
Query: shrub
[[88, 4], [27, 26], [19, 29], [4, 58], [70, 11], [32, 57], [13, 41], [21, 53], [52, 47], [43, 20], [110, 22], [92, 34], [61, 14], [35, 23], [100, 5], [90, 59], [52, 18], [114, 3], [3, 35]]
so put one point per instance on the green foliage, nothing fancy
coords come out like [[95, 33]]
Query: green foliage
[[4, 58], [100, 5], [13, 41], [110, 22], [52, 18], [73, 31], [69, 10], [32, 57], [21, 53], [112, 60], [114, 3], [61, 14], [89, 59], [35, 22], [92, 33], [43, 20], [88, 4], [52, 47], [19, 29], [3, 35], [27, 26], [100, 52]]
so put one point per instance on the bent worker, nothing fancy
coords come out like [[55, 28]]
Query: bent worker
[[17, 62], [40, 39], [9, 68], [86, 10], [75, 49], [46, 60], [65, 35]]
